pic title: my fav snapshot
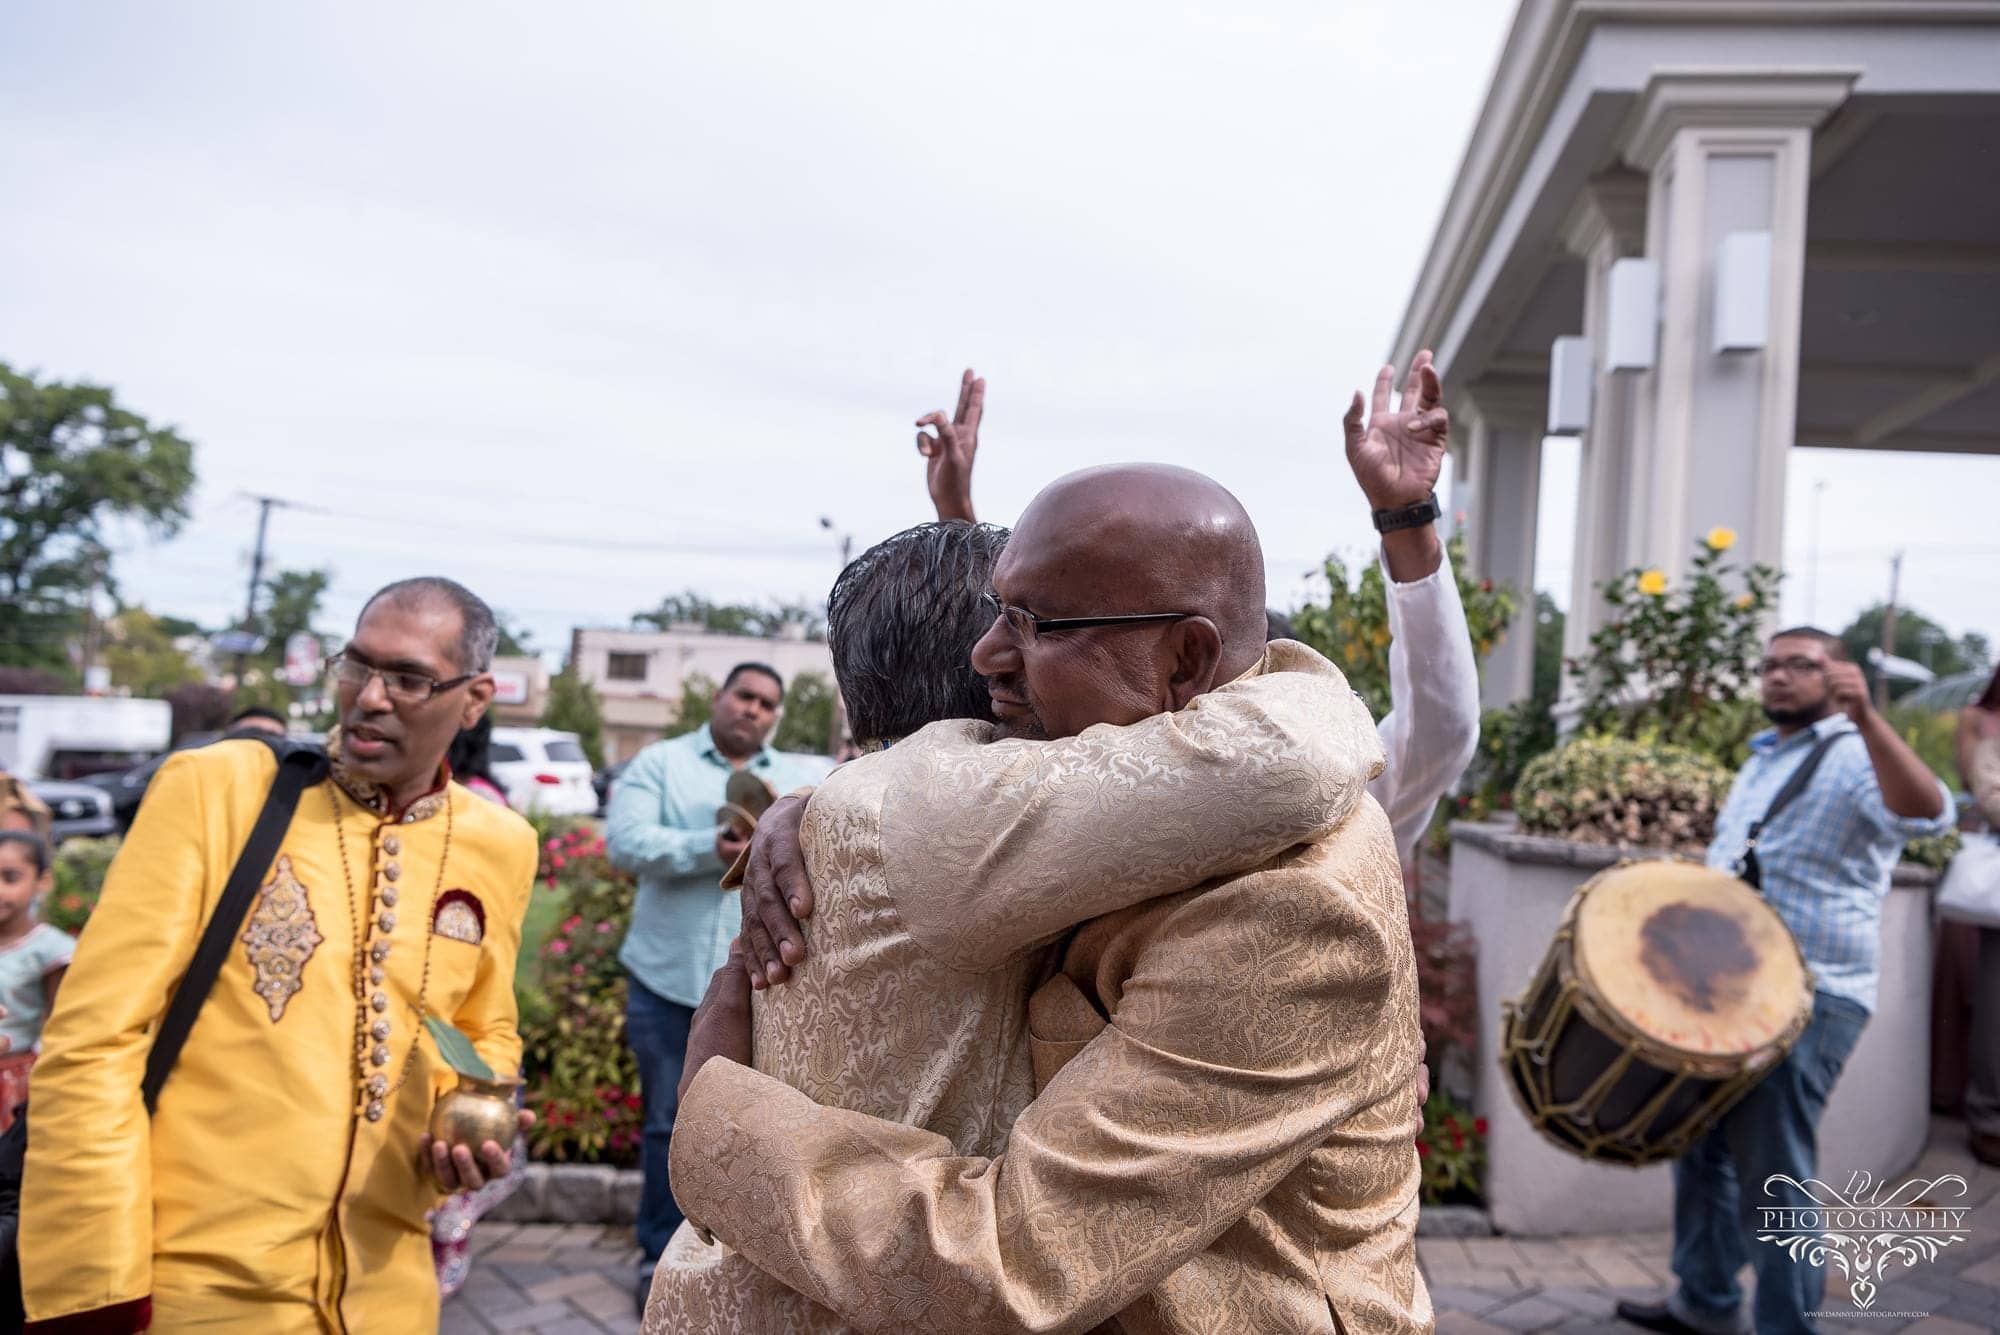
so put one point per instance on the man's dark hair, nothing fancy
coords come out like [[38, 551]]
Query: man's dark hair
[[479, 633], [1277, 626], [902, 620], [38, 852], [243, 716], [1835, 648], [764, 668]]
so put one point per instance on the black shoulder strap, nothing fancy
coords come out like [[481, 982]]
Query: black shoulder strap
[[1796, 784], [299, 768]]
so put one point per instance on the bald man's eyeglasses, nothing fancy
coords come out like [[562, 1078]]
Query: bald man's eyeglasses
[[1025, 625]]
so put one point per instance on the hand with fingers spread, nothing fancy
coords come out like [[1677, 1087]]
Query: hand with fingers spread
[[1396, 456], [950, 450], [776, 895]]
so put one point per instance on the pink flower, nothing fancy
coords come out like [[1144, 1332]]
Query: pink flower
[[558, 947], [603, 927], [577, 970]]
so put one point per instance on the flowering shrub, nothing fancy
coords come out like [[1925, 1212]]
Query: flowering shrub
[[1451, 1150], [80, 867], [1679, 665], [582, 1082], [1351, 628], [1447, 995], [1610, 790]]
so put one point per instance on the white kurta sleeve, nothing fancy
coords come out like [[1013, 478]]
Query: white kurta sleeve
[[1432, 727]]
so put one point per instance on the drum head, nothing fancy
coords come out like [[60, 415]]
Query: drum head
[[1690, 957]]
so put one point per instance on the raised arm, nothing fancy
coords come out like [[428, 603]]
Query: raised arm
[[1431, 730], [1261, 1018], [950, 451], [89, 1166]]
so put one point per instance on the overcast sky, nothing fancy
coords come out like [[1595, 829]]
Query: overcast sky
[[585, 304]]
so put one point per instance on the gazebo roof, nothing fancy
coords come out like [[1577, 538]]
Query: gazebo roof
[[1901, 328]]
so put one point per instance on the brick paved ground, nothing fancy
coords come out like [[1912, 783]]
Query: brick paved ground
[[550, 1279], [547, 1279]]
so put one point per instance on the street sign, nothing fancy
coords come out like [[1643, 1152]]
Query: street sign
[[302, 659], [237, 642]]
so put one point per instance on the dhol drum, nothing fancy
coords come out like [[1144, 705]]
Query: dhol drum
[[1669, 991]]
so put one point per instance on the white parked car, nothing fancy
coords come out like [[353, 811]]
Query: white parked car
[[542, 770]]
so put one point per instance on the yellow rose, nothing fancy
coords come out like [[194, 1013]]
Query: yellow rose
[[1653, 583], [1743, 602], [1720, 539]]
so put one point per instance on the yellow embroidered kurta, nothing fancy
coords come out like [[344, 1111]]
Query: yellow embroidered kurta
[[263, 1197], [941, 870]]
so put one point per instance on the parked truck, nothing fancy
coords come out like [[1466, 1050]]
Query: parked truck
[[71, 736]]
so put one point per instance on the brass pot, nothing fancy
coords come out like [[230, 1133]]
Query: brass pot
[[476, 1112]]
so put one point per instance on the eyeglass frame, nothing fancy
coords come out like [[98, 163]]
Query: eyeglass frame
[[1793, 666], [1045, 625], [437, 685]]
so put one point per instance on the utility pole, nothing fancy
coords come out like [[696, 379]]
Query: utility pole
[[265, 504], [1888, 632]]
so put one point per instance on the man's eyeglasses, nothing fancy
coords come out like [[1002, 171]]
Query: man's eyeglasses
[[1025, 625], [1796, 667], [405, 688]]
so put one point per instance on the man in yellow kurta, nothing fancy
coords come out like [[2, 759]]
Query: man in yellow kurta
[[283, 1181]]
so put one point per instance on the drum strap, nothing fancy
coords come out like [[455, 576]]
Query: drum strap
[[1748, 870]]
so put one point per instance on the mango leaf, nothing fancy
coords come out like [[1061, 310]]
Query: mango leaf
[[457, 1050]]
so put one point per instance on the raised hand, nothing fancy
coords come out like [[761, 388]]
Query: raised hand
[[950, 451], [1848, 689], [1396, 456]]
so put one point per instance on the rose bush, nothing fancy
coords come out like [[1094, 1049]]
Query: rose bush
[[582, 1082]]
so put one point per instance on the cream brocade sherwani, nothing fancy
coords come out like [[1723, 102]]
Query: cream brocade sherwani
[[1240, 1138]]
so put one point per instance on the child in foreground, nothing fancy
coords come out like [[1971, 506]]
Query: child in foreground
[[33, 956]]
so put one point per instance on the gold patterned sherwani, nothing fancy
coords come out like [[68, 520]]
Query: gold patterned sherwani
[[1238, 1141]]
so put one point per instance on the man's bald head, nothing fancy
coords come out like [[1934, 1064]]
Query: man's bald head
[[1126, 539]]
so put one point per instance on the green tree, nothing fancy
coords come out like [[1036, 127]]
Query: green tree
[[1548, 650], [1351, 628], [759, 621], [141, 655], [288, 603], [808, 721], [573, 706], [70, 459], [697, 705], [515, 639], [1919, 639]]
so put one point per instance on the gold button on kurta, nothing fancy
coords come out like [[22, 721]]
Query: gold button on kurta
[[278, 1187]]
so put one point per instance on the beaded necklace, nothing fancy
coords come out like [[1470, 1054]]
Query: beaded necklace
[[369, 972]]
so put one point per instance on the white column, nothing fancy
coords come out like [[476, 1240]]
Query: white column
[[1506, 480], [1725, 153], [1607, 225]]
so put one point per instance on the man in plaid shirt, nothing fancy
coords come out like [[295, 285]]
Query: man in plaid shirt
[[1825, 863]]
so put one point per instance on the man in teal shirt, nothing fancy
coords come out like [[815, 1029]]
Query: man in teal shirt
[[661, 827]]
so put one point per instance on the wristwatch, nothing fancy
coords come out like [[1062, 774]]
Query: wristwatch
[[1423, 512]]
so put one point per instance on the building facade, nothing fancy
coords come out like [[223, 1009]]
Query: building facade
[[1694, 233], [641, 675]]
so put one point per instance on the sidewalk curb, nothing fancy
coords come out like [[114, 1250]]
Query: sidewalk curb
[[569, 1193]]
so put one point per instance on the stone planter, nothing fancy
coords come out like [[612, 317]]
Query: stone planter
[[1512, 888], [562, 1193]]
